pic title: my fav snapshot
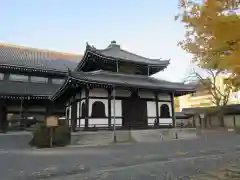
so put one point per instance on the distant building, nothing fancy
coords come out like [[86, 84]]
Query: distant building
[[203, 98], [28, 77]]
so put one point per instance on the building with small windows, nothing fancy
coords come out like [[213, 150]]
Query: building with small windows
[[114, 88], [28, 78], [203, 98]]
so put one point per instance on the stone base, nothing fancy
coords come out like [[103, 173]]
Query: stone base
[[153, 135]]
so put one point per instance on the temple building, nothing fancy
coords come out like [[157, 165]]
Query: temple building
[[114, 87], [28, 78]]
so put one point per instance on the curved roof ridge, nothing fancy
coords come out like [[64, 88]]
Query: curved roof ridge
[[106, 51]]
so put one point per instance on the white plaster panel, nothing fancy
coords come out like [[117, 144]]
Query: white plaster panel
[[165, 121], [146, 94], [82, 122], [118, 108], [70, 112], [98, 92], [169, 105], [164, 96], [105, 102], [83, 94], [151, 109], [123, 93], [151, 121], [78, 123], [118, 121], [98, 122]]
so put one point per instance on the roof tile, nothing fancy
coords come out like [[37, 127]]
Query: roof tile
[[37, 58]]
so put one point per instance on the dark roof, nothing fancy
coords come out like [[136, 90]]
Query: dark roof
[[127, 80], [107, 77], [182, 115], [13, 88], [114, 51], [227, 109], [35, 58]]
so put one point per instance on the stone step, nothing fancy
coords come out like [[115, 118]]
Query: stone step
[[92, 138]]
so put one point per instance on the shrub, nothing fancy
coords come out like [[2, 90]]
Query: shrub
[[41, 136], [61, 136]]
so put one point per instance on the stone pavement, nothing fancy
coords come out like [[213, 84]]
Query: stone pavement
[[140, 161]]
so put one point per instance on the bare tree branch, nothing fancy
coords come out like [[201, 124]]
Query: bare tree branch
[[220, 95]]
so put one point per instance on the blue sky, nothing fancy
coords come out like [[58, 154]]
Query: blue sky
[[143, 27]]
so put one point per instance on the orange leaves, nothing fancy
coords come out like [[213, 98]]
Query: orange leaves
[[212, 33]]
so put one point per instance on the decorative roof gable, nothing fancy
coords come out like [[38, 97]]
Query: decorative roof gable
[[114, 53]]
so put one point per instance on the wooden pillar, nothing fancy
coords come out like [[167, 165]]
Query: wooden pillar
[[173, 110], [234, 121], [79, 113], [194, 123], [157, 107], [74, 115], [3, 117], [109, 107], [86, 106], [79, 108]]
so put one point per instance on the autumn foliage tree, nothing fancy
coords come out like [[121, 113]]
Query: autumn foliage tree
[[212, 34]]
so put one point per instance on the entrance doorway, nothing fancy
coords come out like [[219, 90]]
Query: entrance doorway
[[134, 112]]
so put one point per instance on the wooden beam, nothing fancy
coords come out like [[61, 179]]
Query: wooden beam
[[157, 107], [173, 110], [109, 107], [86, 106]]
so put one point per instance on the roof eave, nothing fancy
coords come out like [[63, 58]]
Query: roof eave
[[60, 90], [161, 65]]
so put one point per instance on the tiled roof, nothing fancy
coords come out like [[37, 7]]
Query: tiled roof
[[182, 115], [114, 51], [130, 80], [36, 58], [125, 80], [27, 88]]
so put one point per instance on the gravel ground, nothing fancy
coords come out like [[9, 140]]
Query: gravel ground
[[175, 168], [181, 159]]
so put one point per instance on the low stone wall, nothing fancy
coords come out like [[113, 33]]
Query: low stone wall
[[158, 135], [151, 135], [15, 140]]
